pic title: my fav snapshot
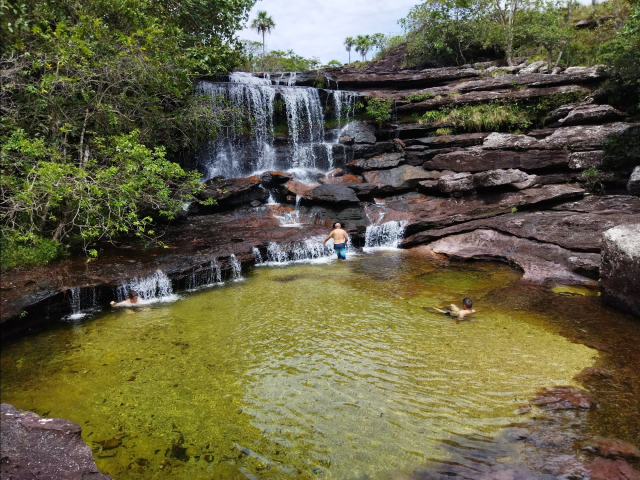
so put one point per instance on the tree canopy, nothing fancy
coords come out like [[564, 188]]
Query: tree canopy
[[97, 105]]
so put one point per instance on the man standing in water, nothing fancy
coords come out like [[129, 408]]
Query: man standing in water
[[340, 239]]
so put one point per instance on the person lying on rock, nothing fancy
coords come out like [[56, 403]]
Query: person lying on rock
[[460, 313], [132, 300], [340, 239]]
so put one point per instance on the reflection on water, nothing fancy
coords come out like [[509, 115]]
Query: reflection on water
[[335, 370]]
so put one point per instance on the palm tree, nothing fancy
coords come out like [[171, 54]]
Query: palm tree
[[349, 42], [263, 23], [363, 44]]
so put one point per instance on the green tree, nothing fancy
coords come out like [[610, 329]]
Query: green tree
[[349, 42], [363, 45], [262, 24]]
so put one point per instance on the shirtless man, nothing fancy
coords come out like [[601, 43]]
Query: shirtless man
[[461, 314], [340, 239], [132, 300]]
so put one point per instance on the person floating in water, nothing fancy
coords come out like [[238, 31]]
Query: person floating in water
[[132, 300], [460, 313], [340, 239]]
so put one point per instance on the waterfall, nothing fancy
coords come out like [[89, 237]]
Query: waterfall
[[291, 219], [236, 269], [234, 153], [310, 250], [207, 277], [343, 101], [386, 236], [154, 288], [83, 302], [257, 254]]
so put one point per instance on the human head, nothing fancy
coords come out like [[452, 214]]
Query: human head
[[133, 296], [337, 225], [467, 303]]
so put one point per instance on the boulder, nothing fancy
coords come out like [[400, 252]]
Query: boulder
[[603, 469], [234, 192], [620, 268], [364, 150], [398, 179], [634, 182], [611, 448], [386, 160], [541, 262], [360, 132], [509, 141], [341, 180], [457, 182], [476, 159], [346, 140], [584, 160], [336, 172], [364, 190], [271, 178], [533, 67], [494, 178], [331, 194], [587, 114], [446, 141], [43, 448]]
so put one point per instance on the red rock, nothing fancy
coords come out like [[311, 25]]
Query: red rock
[[336, 172], [298, 188], [564, 398], [603, 469], [612, 448], [273, 177], [342, 180]]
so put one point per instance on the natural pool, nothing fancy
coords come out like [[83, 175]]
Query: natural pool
[[337, 370]]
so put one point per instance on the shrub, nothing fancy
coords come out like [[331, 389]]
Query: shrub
[[379, 110]]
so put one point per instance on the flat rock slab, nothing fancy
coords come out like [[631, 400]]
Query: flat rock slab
[[586, 114], [398, 179], [611, 448], [581, 232], [360, 132], [604, 469], [234, 192], [478, 159], [564, 398], [331, 194], [44, 448], [379, 162], [541, 262], [427, 212], [620, 268]]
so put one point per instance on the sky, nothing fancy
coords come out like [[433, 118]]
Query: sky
[[317, 28]]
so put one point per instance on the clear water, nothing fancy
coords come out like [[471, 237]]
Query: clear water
[[337, 370]]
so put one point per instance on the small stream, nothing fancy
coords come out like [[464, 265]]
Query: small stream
[[331, 370]]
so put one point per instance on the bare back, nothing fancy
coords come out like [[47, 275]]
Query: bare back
[[339, 236]]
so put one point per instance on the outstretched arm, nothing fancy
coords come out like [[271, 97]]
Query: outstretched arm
[[327, 239]]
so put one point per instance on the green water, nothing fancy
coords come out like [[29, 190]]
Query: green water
[[332, 371]]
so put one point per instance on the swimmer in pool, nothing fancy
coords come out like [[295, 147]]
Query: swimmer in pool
[[132, 300], [459, 313], [340, 239]]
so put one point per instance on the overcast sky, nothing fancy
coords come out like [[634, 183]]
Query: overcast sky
[[317, 28]]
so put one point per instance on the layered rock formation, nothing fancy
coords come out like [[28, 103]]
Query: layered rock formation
[[620, 270]]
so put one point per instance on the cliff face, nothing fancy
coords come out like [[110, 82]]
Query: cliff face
[[537, 195]]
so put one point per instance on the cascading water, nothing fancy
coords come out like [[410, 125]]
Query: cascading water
[[310, 250], [236, 269], [384, 236], [83, 302], [206, 277], [258, 103], [154, 288]]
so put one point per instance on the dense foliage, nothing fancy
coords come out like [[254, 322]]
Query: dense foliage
[[97, 105], [275, 60]]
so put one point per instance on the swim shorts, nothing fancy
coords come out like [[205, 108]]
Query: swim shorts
[[341, 251]]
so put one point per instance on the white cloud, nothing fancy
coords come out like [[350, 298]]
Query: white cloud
[[314, 28]]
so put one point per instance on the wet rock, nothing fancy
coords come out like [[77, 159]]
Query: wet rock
[[346, 140], [347, 179], [234, 192], [602, 204], [331, 194], [603, 469], [352, 78], [620, 268], [43, 448], [364, 190], [360, 132], [588, 114], [336, 172], [476, 159], [272, 178], [611, 448], [371, 150], [541, 262], [398, 179], [297, 188], [564, 398], [386, 160], [589, 373], [584, 160], [634, 182]]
